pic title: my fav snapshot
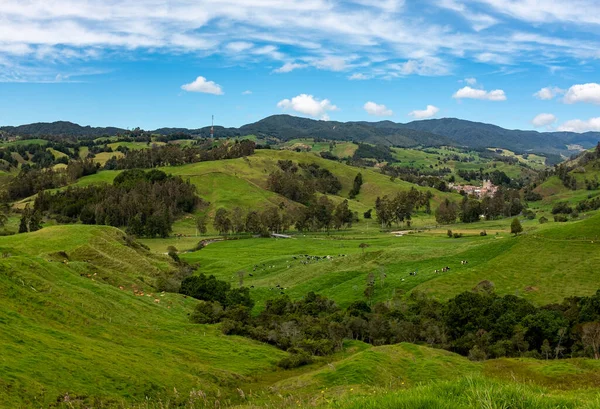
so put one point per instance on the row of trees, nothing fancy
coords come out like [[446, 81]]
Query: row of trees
[[504, 203], [173, 154], [321, 214]]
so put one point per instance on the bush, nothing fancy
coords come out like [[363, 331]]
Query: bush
[[560, 218], [295, 360], [561, 207], [207, 313], [543, 220], [457, 235], [477, 354], [449, 233], [483, 233]]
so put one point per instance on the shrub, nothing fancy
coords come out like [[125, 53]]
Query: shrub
[[449, 233], [457, 235], [483, 233], [560, 218], [295, 360], [543, 220], [207, 313]]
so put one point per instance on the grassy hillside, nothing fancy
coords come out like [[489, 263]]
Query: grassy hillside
[[108, 344], [532, 265], [72, 304], [243, 182]]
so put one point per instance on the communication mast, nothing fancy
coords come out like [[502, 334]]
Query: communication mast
[[212, 127]]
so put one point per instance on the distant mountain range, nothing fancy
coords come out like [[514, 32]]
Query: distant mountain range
[[432, 132]]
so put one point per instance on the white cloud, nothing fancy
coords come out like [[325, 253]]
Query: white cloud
[[308, 105], [580, 126], [289, 67], [429, 112], [471, 81], [359, 77], [543, 120], [331, 63], [247, 92], [472, 93], [583, 93], [239, 46], [493, 58], [389, 39], [548, 93], [200, 84], [377, 109]]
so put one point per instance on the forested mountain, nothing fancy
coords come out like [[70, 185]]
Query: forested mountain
[[480, 135], [432, 132]]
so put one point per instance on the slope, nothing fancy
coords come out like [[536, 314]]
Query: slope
[[67, 333]]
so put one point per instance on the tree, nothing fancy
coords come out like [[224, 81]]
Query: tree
[[358, 181], [515, 227], [201, 223], [237, 220], [342, 215], [35, 221], [590, 336], [447, 212], [546, 349], [222, 222], [23, 225]]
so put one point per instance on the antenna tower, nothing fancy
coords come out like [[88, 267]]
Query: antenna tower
[[212, 127]]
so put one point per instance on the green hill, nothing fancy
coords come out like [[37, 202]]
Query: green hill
[[63, 312]]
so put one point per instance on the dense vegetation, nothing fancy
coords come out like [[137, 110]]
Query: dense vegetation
[[145, 203], [478, 324]]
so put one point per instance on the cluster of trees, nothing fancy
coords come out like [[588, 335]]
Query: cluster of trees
[[429, 178], [568, 180], [399, 209], [379, 152], [320, 214], [300, 182], [504, 203], [479, 324], [32, 180], [173, 154], [146, 203]]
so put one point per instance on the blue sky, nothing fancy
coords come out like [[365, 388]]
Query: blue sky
[[529, 64]]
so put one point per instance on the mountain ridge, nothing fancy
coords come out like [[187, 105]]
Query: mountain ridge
[[430, 132]]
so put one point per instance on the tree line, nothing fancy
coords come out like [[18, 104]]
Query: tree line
[[399, 209], [320, 214], [173, 154], [479, 324], [504, 203]]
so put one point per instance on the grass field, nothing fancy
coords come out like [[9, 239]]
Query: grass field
[[532, 265], [80, 315], [71, 304]]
